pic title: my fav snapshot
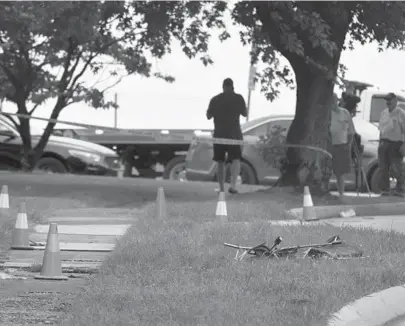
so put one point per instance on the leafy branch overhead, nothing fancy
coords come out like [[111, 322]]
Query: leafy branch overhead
[[313, 33], [48, 47]]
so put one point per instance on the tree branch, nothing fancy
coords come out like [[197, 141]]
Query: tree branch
[[34, 108], [81, 73], [115, 84], [74, 67], [27, 74], [70, 50], [313, 56], [271, 28], [10, 76]]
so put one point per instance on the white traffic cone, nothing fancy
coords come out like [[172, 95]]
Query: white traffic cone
[[308, 211], [161, 209], [4, 199], [51, 264], [19, 239], [221, 211]]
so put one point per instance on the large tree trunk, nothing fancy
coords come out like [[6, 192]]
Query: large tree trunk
[[39, 148], [27, 160], [309, 127], [32, 155], [314, 85]]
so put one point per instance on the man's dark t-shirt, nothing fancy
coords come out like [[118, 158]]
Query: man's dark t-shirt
[[226, 108]]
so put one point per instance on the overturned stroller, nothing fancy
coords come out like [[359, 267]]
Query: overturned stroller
[[333, 248]]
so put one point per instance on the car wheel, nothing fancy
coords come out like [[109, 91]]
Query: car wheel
[[247, 174], [375, 181], [175, 169], [51, 165]]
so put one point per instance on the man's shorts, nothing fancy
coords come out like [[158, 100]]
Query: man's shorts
[[341, 159], [234, 152]]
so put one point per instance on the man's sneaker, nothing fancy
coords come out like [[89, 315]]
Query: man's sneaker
[[233, 191]]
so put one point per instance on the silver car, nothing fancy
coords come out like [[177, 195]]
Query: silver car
[[256, 170]]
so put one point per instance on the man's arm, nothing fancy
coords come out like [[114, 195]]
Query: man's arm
[[210, 111], [351, 130], [243, 108], [402, 119]]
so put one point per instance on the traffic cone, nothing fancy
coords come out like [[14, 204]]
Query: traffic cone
[[51, 266], [221, 211], [19, 238], [161, 211], [308, 212], [4, 199]]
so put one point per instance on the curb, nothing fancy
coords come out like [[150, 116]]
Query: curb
[[376, 309], [327, 212]]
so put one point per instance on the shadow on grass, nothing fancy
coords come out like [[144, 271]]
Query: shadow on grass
[[177, 272]]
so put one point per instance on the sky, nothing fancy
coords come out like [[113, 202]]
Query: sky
[[152, 103]]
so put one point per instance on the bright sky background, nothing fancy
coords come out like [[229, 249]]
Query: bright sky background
[[151, 103]]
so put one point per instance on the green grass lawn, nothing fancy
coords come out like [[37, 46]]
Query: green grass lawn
[[177, 271]]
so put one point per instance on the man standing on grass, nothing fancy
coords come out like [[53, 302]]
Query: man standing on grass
[[342, 133], [226, 109], [392, 127]]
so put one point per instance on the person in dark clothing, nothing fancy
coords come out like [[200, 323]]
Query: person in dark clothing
[[226, 109], [392, 129]]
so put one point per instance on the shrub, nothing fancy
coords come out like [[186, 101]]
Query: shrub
[[274, 153]]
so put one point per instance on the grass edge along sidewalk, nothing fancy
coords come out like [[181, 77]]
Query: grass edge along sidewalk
[[177, 272]]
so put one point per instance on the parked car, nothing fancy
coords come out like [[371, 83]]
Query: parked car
[[61, 154], [254, 170]]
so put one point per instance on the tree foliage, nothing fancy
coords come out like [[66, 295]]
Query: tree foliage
[[48, 47], [314, 32]]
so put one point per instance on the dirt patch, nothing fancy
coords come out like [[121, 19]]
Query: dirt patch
[[35, 308], [27, 302]]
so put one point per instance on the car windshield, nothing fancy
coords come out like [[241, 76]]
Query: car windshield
[[250, 123]]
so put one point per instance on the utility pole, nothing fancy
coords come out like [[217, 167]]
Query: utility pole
[[115, 110], [251, 82]]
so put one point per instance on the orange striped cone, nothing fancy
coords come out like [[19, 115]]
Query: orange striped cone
[[51, 266], [308, 212], [4, 199], [19, 238], [221, 211], [161, 210]]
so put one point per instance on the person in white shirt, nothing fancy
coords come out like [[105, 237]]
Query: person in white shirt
[[392, 127], [342, 132]]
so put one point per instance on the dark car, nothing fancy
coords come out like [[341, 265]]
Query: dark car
[[256, 170], [61, 154]]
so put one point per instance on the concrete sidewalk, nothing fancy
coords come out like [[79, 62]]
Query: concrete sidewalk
[[385, 308], [387, 222], [372, 209]]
